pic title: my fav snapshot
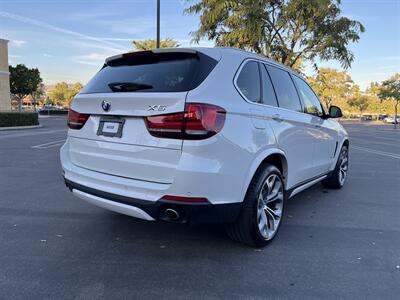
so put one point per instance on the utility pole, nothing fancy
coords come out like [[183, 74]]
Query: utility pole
[[158, 24]]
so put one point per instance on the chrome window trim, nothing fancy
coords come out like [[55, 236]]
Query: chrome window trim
[[238, 71]]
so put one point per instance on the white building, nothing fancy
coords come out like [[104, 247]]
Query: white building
[[5, 102]]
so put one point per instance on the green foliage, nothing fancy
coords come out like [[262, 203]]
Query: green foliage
[[151, 44], [284, 30], [62, 94], [332, 84], [75, 89], [38, 94], [360, 102], [24, 81], [11, 119], [390, 90], [373, 89]]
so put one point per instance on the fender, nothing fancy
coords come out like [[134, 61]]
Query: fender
[[255, 164], [344, 138]]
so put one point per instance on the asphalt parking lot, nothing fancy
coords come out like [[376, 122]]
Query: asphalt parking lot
[[332, 244]]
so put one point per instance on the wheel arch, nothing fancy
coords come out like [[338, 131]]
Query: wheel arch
[[346, 143], [279, 161], [275, 157]]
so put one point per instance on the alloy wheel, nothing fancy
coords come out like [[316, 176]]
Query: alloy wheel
[[270, 206], [343, 167]]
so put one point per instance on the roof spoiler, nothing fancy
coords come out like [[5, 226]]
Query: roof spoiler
[[114, 60]]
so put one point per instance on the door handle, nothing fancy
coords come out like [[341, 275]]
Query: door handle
[[277, 117]]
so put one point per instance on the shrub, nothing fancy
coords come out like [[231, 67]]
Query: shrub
[[11, 119]]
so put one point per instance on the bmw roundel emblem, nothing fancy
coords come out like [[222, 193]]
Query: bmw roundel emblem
[[105, 105]]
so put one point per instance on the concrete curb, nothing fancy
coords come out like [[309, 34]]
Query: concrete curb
[[52, 116], [20, 127]]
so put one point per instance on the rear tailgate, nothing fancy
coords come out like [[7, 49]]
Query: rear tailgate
[[134, 153]]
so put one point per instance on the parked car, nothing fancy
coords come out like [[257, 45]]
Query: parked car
[[382, 117], [366, 118], [50, 107], [201, 135], [391, 120]]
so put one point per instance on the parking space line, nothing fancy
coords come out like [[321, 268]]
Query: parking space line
[[397, 144], [49, 144], [383, 153], [377, 137], [17, 135]]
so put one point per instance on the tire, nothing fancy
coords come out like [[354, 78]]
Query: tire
[[337, 178], [248, 229]]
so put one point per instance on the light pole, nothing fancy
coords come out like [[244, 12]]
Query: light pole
[[158, 24]]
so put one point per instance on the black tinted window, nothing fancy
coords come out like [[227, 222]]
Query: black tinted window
[[285, 89], [268, 94], [310, 100], [248, 81], [151, 72]]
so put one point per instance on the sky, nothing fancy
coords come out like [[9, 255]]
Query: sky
[[68, 40]]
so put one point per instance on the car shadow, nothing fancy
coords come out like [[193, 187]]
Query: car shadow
[[128, 230], [124, 235]]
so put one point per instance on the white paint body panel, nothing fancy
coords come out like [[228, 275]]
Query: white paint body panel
[[219, 168], [124, 160]]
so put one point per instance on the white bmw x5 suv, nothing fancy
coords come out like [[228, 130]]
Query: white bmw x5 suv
[[201, 135]]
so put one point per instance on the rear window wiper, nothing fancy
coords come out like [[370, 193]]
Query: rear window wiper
[[128, 86]]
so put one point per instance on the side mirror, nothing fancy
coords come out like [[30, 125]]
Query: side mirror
[[335, 112]]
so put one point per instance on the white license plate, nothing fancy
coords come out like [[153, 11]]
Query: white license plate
[[110, 127]]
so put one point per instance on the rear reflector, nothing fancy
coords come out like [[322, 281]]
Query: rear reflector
[[76, 120], [184, 199], [198, 121]]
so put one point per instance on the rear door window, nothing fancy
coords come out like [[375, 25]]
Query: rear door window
[[285, 89], [248, 81], [151, 72]]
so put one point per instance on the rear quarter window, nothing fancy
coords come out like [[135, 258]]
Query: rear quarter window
[[151, 72], [285, 89], [248, 81]]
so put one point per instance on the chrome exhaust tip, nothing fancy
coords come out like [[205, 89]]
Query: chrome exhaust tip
[[171, 214]]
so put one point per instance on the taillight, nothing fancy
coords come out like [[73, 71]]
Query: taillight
[[76, 120], [166, 126], [198, 121]]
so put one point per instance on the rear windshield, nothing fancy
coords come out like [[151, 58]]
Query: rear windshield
[[151, 72]]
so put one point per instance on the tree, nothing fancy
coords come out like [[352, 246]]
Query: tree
[[23, 82], [373, 89], [331, 84], [62, 94], [152, 44], [37, 94], [284, 30], [75, 89], [390, 90], [360, 102]]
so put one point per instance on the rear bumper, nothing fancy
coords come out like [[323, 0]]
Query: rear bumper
[[192, 213]]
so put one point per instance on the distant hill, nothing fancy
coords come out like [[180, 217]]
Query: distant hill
[[49, 87]]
